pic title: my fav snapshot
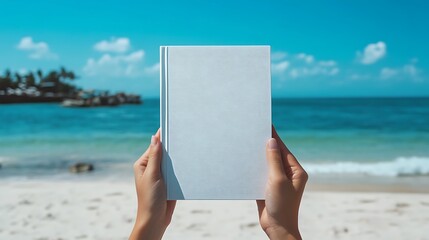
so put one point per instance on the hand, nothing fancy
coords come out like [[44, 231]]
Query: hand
[[154, 212], [278, 213]]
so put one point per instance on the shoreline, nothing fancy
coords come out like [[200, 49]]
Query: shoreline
[[362, 188], [315, 183], [6, 99], [353, 183]]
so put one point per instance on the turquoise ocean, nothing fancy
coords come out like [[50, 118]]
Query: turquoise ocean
[[381, 137]]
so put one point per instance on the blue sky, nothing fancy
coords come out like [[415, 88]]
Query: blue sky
[[319, 48]]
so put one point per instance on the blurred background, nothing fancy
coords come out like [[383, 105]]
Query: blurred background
[[79, 100]]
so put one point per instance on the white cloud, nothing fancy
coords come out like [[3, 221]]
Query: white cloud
[[277, 56], [314, 71], [387, 73], [37, 50], [372, 53], [280, 67], [302, 65], [116, 65], [333, 71], [329, 63], [408, 71], [118, 45], [305, 57], [154, 69], [359, 76], [115, 62]]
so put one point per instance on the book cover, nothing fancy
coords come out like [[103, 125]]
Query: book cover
[[215, 120]]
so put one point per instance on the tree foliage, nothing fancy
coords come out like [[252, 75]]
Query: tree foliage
[[55, 81]]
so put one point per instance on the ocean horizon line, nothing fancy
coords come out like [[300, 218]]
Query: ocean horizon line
[[331, 97]]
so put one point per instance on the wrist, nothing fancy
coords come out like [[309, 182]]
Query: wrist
[[146, 228], [281, 233]]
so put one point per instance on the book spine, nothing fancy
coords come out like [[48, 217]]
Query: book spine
[[164, 115]]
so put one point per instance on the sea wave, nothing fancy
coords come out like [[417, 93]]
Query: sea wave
[[4, 159], [401, 166]]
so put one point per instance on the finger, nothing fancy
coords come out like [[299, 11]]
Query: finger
[[144, 158], [282, 146], [293, 168], [274, 159], [158, 133], [141, 163], [155, 157], [288, 158]]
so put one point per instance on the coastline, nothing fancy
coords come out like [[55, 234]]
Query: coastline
[[4, 99], [105, 209], [365, 188], [371, 184]]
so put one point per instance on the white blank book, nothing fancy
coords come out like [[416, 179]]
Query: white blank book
[[215, 121]]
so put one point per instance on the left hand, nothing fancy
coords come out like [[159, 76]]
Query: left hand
[[154, 212]]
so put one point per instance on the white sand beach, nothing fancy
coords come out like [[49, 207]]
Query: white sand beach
[[102, 209]]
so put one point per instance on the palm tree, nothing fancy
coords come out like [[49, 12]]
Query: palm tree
[[55, 81], [64, 77], [63, 73], [18, 78], [40, 75], [6, 81], [53, 77], [71, 75], [30, 80], [67, 74], [8, 74]]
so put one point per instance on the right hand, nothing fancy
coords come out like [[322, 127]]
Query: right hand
[[278, 213]]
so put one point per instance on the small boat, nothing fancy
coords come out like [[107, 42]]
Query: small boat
[[74, 103]]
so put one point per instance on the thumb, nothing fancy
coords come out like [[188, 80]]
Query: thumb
[[274, 158], [155, 156]]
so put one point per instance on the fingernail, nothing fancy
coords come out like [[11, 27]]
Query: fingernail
[[153, 140], [272, 144]]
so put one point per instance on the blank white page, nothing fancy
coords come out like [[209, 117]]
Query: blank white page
[[215, 120]]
